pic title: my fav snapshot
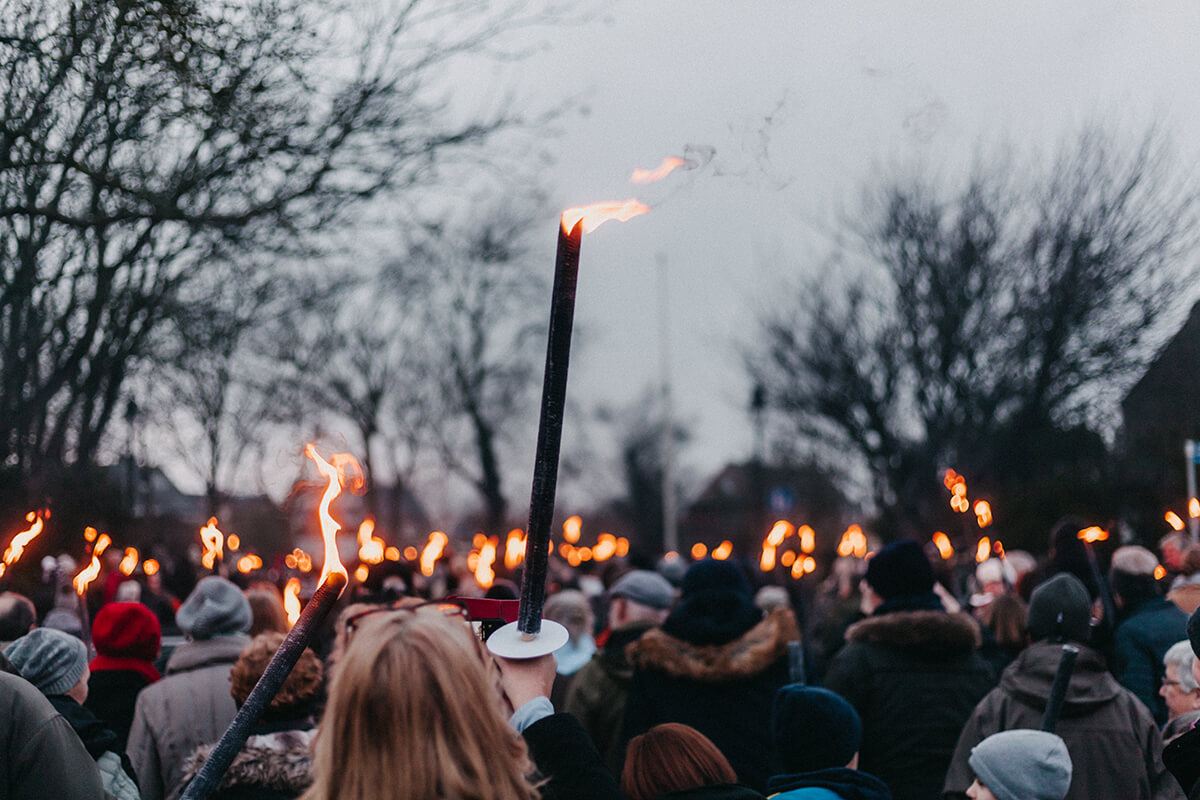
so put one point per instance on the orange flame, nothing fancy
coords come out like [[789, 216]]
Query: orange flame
[[998, 549], [668, 165], [90, 534], [362, 573], [298, 559], [393, 553], [983, 513], [572, 527], [853, 543], [723, 551], [19, 542], [622, 547], [597, 214], [233, 542], [780, 531], [211, 538], [1160, 572], [942, 542], [150, 566], [92, 570], [606, 547], [1173, 520], [514, 548], [699, 550], [1093, 534], [129, 562], [767, 562], [338, 472], [808, 539], [291, 600], [249, 563], [1194, 508], [983, 550], [432, 552], [370, 548]]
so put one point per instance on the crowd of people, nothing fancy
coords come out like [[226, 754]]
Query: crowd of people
[[897, 681]]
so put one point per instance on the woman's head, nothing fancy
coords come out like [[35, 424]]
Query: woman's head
[[415, 704], [300, 691], [672, 757]]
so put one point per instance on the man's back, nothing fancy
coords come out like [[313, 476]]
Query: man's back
[[1114, 744], [40, 755]]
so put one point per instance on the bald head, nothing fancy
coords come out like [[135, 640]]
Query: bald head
[[17, 616]]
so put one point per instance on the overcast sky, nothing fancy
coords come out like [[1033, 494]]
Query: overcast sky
[[802, 100]]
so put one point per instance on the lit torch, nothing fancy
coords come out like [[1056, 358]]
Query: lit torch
[[129, 562], [370, 548], [942, 542], [212, 539], [341, 470], [1089, 536], [518, 639], [84, 579], [21, 540], [291, 600]]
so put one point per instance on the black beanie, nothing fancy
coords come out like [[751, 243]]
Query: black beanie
[[813, 729], [1060, 610], [900, 570]]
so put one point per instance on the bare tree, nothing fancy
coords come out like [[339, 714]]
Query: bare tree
[[142, 142], [986, 321]]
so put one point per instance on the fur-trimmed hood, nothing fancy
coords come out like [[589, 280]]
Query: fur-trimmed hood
[[277, 762], [931, 633], [746, 656]]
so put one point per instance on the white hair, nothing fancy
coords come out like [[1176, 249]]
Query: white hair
[[1181, 656]]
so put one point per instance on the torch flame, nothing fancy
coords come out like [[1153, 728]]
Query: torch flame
[[129, 562], [1194, 508], [291, 600], [942, 542], [485, 576], [432, 552], [514, 548], [723, 551], [808, 539], [779, 531], [983, 513], [606, 547], [212, 539], [337, 472], [983, 550], [92, 570], [668, 165], [1093, 534], [622, 547], [699, 550], [597, 214], [150, 566], [370, 548], [572, 527], [248, 563], [853, 543], [17, 546], [767, 562], [1160, 572], [998, 549], [1173, 520]]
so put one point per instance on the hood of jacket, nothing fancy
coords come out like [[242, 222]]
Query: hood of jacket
[[205, 653], [848, 784], [95, 734], [1029, 679], [936, 635], [279, 761], [746, 656]]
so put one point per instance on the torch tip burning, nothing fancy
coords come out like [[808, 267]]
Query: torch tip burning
[[597, 214]]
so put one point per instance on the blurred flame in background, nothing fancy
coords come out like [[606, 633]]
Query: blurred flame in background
[[1173, 520], [572, 528], [942, 542], [291, 600], [89, 573], [150, 566], [1093, 534], [22, 539], [983, 550], [699, 550], [212, 539], [129, 562], [248, 563], [514, 548], [723, 551], [370, 548], [983, 513], [432, 552]]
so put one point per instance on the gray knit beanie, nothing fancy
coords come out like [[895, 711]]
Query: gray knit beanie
[[51, 660], [216, 607], [1023, 765]]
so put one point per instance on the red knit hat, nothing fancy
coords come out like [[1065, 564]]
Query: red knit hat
[[127, 630]]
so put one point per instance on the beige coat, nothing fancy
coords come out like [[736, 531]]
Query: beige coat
[[189, 707]]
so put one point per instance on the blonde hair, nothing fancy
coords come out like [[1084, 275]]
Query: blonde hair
[[415, 708]]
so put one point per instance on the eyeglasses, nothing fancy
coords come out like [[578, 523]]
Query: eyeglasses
[[450, 609]]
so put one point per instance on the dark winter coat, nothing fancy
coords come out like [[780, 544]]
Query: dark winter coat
[[274, 764], [40, 755], [564, 754], [725, 691], [839, 783], [101, 744], [112, 695], [1141, 641], [1114, 744], [599, 691], [1182, 758], [914, 677]]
